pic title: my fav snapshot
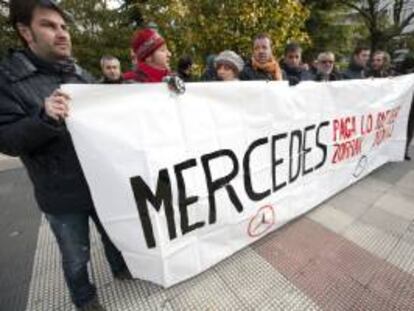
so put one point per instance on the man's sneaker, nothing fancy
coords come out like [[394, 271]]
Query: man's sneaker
[[92, 305], [122, 275]]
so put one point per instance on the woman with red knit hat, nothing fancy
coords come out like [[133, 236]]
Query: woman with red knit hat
[[152, 55]]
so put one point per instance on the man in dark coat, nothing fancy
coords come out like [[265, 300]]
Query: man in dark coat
[[358, 65], [263, 65], [209, 73], [325, 68], [111, 70], [407, 68], [292, 65], [32, 114], [410, 131], [185, 69]]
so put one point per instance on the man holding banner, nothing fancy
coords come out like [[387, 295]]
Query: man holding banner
[[32, 114]]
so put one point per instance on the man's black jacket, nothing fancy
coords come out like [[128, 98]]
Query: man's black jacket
[[354, 71], [44, 145], [296, 75], [250, 74]]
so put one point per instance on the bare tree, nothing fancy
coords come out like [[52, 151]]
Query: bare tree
[[385, 19]]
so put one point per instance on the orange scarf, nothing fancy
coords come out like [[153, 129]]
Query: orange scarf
[[272, 67]]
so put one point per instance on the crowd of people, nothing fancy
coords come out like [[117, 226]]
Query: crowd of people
[[151, 61], [33, 110]]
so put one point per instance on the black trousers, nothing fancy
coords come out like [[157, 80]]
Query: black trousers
[[410, 128]]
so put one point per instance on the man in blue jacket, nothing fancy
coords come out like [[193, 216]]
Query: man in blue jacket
[[32, 114]]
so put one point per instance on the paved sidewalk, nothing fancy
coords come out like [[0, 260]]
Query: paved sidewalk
[[355, 252], [8, 163], [19, 225]]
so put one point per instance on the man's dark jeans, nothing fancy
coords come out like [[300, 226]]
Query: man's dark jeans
[[410, 128], [72, 235]]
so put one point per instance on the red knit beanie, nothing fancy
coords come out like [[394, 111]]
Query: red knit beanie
[[145, 42]]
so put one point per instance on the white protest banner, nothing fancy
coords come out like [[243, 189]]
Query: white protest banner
[[181, 182]]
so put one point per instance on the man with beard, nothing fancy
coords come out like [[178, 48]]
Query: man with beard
[[262, 65], [111, 70], [32, 126], [380, 66], [325, 68]]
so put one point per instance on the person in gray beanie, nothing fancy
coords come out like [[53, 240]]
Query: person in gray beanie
[[228, 66]]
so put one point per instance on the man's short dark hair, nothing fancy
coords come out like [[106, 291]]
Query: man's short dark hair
[[359, 49], [262, 36], [21, 11], [292, 47]]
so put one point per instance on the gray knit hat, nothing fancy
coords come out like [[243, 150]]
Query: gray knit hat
[[231, 58]]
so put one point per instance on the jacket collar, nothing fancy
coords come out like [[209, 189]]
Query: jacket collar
[[356, 67], [19, 65], [152, 74]]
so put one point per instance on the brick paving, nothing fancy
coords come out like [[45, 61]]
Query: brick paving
[[354, 252]]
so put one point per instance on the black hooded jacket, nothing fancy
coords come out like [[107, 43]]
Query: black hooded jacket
[[354, 71], [335, 75], [250, 74], [296, 74], [44, 145]]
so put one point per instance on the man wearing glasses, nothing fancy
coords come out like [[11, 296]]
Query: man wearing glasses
[[325, 66]]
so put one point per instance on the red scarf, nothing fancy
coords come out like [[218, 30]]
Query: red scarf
[[129, 75], [148, 74]]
